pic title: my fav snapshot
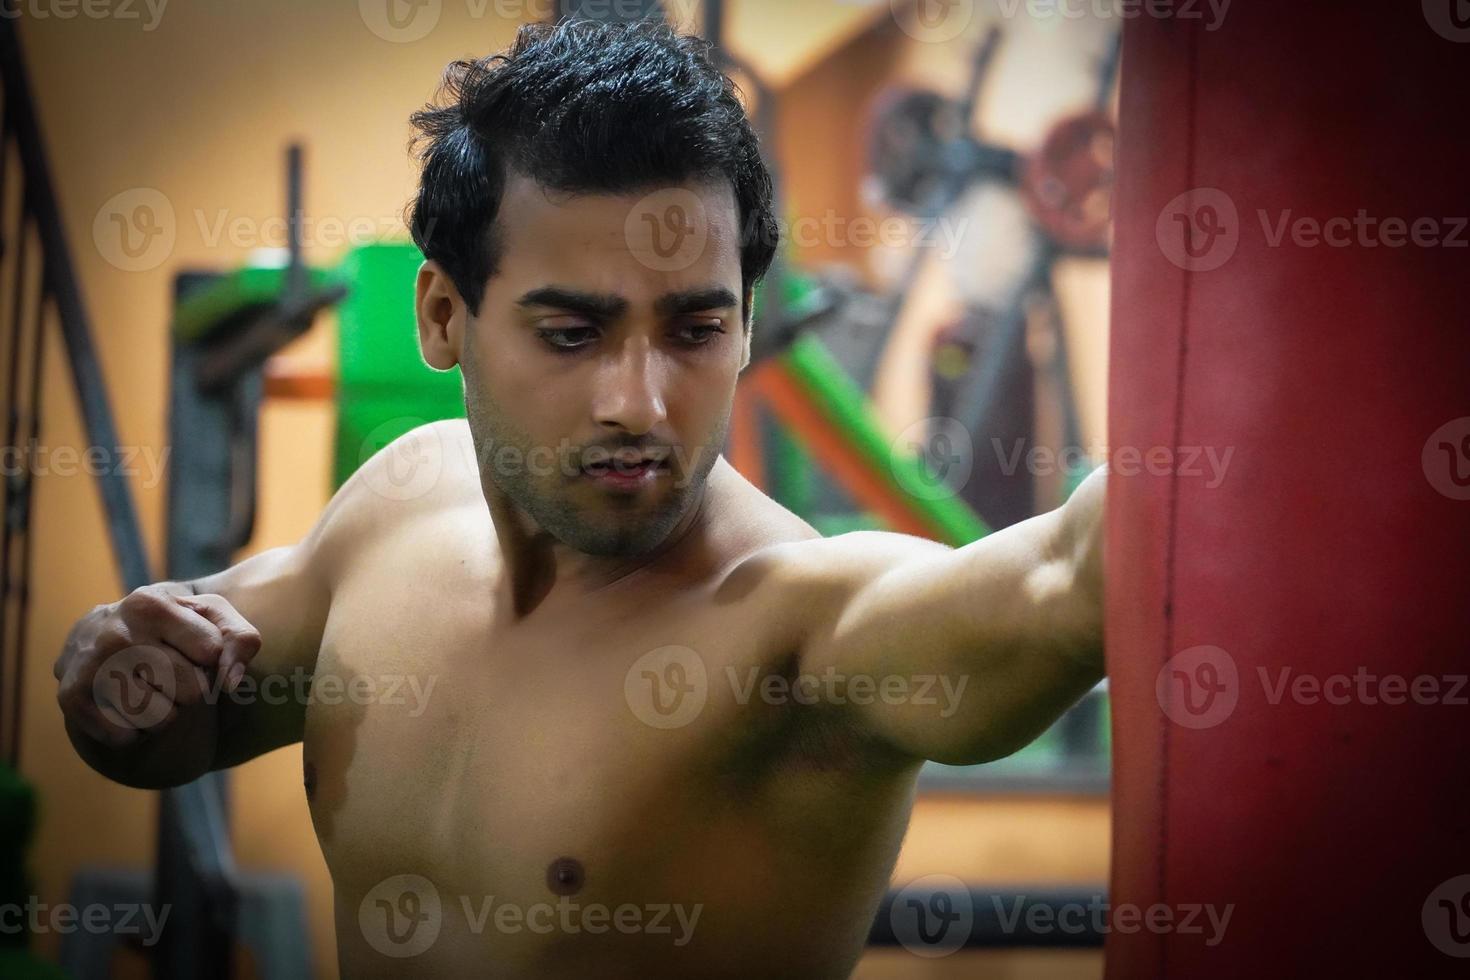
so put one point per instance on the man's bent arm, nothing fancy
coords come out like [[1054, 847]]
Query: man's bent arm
[[235, 651], [982, 647], [264, 614]]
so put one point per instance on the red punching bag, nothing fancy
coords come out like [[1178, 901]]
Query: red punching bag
[[1288, 540]]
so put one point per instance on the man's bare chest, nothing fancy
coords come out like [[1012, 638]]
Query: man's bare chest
[[641, 730]]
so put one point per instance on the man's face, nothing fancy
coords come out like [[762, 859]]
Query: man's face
[[611, 331]]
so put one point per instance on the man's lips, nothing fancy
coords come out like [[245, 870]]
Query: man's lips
[[625, 477], [630, 464]]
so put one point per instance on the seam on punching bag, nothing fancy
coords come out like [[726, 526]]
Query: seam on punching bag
[[1171, 533]]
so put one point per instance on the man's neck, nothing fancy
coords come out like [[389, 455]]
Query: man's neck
[[537, 565]]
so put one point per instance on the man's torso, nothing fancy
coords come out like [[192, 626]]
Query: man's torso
[[624, 783]]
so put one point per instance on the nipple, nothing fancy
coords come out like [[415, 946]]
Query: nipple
[[565, 876]]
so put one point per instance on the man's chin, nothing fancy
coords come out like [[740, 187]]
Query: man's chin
[[615, 542], [628, 535]]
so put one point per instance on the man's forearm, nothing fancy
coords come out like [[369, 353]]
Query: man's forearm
[[173, 759]]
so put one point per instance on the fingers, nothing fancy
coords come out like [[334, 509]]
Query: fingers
[[135, 691], [205, 628], [151, 656], [241, 640], [150, 614]]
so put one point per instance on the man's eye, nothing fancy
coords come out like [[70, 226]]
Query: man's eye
[[567, 338], [699, 333]]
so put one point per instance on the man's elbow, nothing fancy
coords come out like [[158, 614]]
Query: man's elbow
[[980, 747]]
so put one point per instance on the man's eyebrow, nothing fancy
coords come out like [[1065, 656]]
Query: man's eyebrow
[[575, 301], [714, 298]]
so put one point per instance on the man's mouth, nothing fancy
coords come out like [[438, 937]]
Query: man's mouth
[[627, 470]]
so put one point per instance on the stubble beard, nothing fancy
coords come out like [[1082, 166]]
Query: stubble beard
[[607, 526]]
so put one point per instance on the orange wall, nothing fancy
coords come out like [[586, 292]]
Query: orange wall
[[199, 109]]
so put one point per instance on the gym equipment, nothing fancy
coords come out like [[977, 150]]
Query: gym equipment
[[1338, 828], [1067, 184], [48, 268], [225, 328], [922, 156], [384, 388], [813, 397], [924, 159], [228, 328]]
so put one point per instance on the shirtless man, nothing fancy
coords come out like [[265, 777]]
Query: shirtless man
[[599, 707]]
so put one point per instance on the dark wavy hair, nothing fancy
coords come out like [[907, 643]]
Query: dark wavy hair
[[582, 107]]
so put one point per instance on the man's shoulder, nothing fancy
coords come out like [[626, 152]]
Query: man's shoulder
[[428, 465], [851, 557], [796, 573], [424, 471]]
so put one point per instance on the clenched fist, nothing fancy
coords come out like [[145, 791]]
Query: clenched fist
[[140, 681]]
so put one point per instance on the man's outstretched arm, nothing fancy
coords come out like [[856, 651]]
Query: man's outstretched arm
[[981, 647]]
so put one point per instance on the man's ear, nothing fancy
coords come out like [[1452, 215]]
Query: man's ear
[[442, 316]]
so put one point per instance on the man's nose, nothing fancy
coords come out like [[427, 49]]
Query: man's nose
[[629, 388]]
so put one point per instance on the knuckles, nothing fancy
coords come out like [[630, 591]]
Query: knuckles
[[144, 600], [248, 637], [185, 683]]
